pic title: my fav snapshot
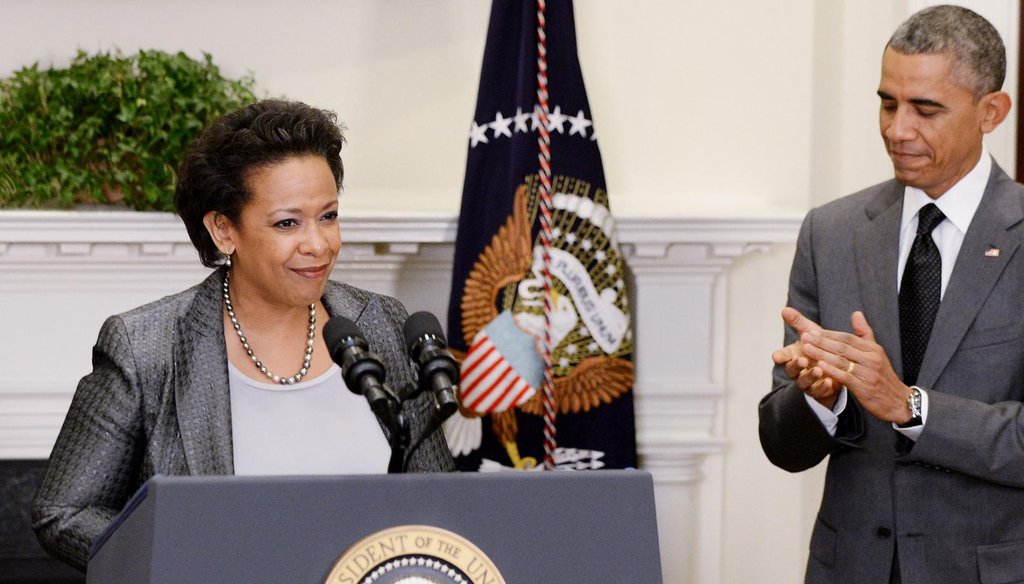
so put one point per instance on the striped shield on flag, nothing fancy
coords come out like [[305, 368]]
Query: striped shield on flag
[[501, 369]]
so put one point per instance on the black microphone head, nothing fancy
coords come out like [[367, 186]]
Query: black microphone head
[[419, 325], [340, 332], [428, 349], [349, 349]]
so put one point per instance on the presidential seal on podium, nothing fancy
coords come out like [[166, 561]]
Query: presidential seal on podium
[[414, 554]]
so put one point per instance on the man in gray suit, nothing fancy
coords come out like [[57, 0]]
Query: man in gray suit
[[904, 361]]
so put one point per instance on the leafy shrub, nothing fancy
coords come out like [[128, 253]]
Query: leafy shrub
[[108, 128]]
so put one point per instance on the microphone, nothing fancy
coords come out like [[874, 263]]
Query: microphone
[[438, 370], [361, 369]]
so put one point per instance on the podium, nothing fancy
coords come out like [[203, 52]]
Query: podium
[[540, 527]]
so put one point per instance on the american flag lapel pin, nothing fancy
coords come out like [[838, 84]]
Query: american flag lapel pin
[[992, 252]]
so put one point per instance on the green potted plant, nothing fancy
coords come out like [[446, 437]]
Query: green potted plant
[[107, 129]]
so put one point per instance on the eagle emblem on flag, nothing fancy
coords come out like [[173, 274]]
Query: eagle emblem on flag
[[503, 316]]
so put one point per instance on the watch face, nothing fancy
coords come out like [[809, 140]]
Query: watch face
[[914, 403]]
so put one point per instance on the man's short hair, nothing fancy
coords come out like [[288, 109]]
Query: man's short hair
[[979, 57]]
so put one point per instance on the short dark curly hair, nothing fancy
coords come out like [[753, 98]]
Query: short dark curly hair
[[214, 171]]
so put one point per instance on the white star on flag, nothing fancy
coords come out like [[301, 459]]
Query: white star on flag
[[477, 134], [521, 119], [556, 120], [578, 124], [500, 125]]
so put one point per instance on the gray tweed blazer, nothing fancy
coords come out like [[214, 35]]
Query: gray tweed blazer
[[157, 401]]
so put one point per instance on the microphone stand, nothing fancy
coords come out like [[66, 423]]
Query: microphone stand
[[399, 439], [364, 374]]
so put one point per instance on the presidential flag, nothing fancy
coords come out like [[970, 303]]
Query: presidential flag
[[538, 286]]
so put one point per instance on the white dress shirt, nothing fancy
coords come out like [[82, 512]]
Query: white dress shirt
[[958, 204]]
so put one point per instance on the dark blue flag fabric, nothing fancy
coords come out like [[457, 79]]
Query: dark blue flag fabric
[[496, 311]]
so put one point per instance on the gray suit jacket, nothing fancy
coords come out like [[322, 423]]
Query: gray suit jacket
[[157, 401], [952, 503]]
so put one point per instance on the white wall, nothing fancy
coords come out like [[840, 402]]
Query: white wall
[[725, 109], [683, 92], [401, 74]]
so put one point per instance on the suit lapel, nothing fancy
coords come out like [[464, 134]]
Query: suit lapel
[[201, 390], [340, 301], [877, 255], [974, 273]]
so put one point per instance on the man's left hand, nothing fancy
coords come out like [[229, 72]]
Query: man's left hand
[[860, 363]]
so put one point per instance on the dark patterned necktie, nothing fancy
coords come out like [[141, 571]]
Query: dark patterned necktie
[[920, 293]]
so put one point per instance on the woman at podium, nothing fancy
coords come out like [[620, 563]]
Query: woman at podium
[[232, 376]]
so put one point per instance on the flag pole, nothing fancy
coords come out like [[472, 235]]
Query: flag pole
[[544, 158]]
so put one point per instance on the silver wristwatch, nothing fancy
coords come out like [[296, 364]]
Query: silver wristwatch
[[914, 405]]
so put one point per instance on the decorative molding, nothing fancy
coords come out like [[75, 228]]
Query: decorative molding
[[133, 227], [676, 464], [94, 227], [703, 242]]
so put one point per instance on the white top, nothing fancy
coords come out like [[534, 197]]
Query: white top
[[958, 204], [312, 427]]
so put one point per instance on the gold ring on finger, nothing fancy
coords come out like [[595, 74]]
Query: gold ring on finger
[[849, 368]]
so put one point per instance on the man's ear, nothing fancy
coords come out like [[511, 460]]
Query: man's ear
[[221, 230], [996, 107]]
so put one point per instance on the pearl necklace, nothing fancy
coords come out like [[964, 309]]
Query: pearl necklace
[[259, 364]]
